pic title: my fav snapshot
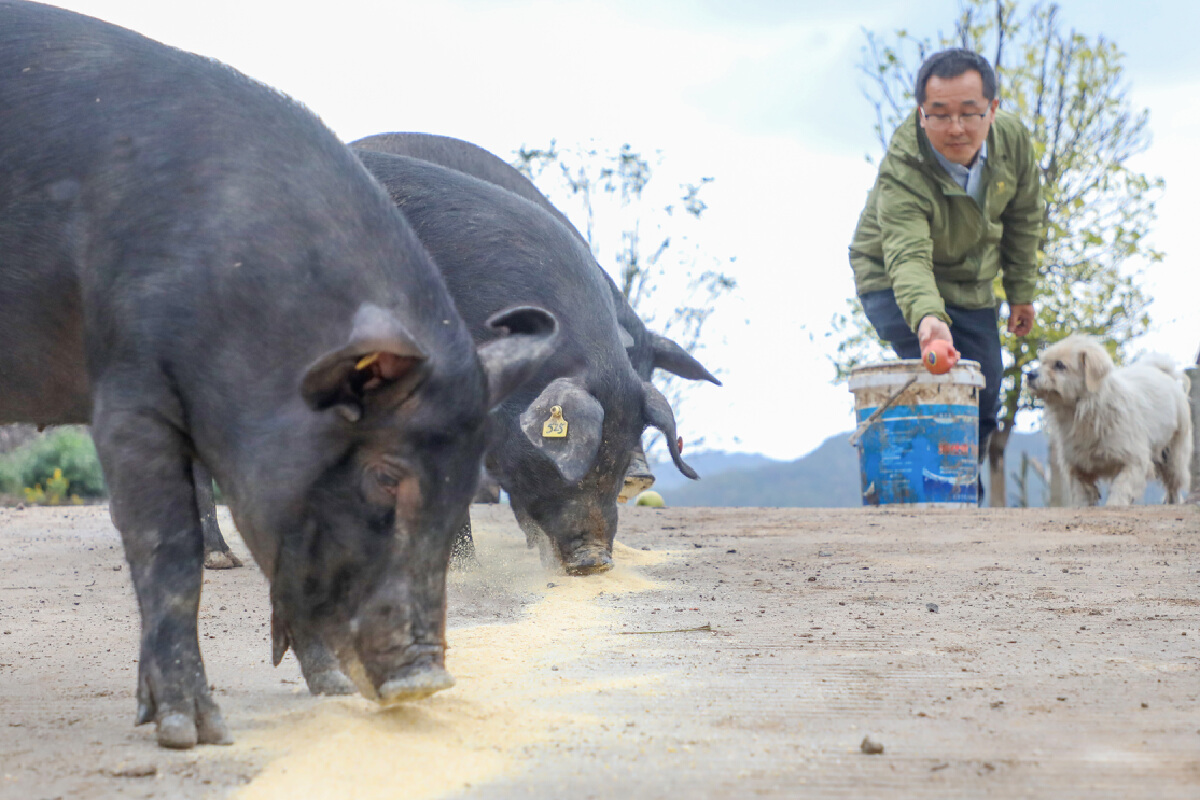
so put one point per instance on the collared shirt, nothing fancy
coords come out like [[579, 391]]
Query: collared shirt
[[969, 178]]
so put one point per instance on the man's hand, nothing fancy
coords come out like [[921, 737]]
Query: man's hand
[[931, 328], [1020, 318]]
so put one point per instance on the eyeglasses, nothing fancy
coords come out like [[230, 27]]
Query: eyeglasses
[[968, 121]]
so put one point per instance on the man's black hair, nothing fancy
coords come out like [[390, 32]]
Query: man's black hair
[[952, 63]]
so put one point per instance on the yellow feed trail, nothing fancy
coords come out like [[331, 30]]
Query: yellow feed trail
[[475, 732]]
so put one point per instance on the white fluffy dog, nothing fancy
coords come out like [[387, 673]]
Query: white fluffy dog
[[1119, 423]]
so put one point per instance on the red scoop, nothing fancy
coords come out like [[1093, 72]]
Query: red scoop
[[939, 356]]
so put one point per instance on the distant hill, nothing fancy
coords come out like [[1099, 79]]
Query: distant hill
[[708, 464], [828, 477]]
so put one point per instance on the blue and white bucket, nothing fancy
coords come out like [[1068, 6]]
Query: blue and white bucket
[[918, 433]]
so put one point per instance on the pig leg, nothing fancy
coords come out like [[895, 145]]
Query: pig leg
[[318, 663], [153, 505], [488, 491], [217, 554]]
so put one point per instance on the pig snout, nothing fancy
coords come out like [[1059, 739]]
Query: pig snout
[[590, 551], [587, 554], [588, 560], [403, 656], [574, 555], [423, 673], [583, 548]]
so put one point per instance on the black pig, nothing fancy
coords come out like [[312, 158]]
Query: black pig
[[494, 248], [646, 350], [196, 266]]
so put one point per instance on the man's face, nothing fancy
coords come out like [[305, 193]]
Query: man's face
[[956, 117]]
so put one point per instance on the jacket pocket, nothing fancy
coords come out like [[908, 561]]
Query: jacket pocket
[[1000, 192]]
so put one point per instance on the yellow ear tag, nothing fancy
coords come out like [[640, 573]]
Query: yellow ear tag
[[367, 361], [1000, 186], [556, 426]]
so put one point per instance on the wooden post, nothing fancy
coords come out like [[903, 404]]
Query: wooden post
[[997, 496], [1193, 374]]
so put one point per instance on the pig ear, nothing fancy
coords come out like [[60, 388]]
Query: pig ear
[[574, 453], [674, 359], [381, 354], [529, 335], [658, 413]]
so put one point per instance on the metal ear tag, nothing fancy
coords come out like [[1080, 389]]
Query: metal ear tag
[[556, 426]]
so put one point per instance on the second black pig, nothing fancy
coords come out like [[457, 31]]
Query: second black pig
[[646, 349], [495, 249]]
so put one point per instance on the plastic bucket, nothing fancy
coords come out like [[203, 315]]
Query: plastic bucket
[[923, 449]]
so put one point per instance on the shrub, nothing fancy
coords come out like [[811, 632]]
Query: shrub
[[55, 493], [58, 465]]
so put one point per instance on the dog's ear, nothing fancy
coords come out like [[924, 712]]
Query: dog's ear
[[1096, 365]]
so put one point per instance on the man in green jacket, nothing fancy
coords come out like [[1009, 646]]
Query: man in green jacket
[[957, 202]]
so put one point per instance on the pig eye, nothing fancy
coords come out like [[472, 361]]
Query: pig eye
[[387, 479], [382, 482]]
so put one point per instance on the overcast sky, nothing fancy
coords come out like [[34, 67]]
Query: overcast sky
[[761, 95]]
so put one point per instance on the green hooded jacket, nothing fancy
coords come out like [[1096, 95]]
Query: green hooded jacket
[[930, 242]]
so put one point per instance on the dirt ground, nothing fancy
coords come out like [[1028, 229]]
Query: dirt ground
[[993, 653]]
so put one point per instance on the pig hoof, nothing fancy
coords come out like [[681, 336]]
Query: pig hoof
[[331, 682], [415, 687], [211, 729], [221, 559], [590, 565], [177, 731]]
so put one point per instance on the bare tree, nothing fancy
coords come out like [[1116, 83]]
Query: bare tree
[[643, 232]]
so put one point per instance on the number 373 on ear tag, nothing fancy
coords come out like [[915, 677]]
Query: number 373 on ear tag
[[556, 426]]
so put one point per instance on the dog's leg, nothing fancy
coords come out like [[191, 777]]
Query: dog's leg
[[1128, 485], [1175, 472], [1082, 488]]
